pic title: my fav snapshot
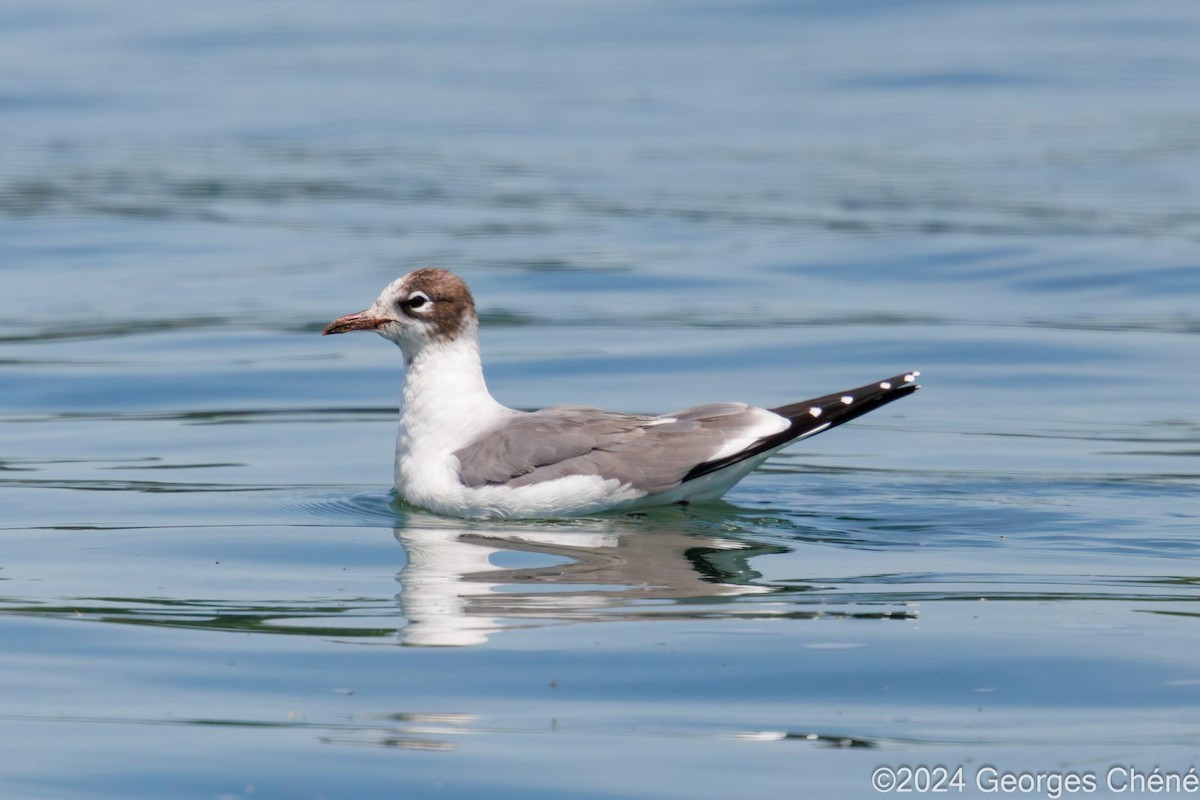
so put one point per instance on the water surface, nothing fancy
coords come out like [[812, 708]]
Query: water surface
[[207, 588]]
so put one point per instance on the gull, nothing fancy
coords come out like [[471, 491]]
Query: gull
[[461, 453]]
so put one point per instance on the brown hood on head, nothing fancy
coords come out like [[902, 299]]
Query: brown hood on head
[[426, 304], [452, 303]]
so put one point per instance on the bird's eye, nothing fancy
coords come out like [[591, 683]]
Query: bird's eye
[[415, 300]]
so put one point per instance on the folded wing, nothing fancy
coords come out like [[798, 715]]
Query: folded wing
[[656, 454], [652, 454]]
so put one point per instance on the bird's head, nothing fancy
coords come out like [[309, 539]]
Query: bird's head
[[425, 306]]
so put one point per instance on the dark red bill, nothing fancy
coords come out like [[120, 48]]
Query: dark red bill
[[354, 322]]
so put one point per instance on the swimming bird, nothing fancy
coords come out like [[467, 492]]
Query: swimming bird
[[460, 452]]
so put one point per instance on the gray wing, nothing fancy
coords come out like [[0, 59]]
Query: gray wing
[[652, 454]]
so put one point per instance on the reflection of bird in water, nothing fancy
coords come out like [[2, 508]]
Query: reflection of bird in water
[[454, 595]]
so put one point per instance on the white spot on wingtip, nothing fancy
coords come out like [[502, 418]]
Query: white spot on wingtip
[[885, 385], [910, 377], [847, 399], [815, 411]]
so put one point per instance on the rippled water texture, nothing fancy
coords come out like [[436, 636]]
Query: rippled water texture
[[207, 588]]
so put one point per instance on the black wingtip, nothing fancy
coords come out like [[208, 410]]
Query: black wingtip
[[832, 410], [843, 407], [810, 417]]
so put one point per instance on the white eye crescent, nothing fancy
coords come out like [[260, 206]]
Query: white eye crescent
[[417, 301]]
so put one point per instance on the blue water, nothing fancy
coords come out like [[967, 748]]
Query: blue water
[[208, 590]]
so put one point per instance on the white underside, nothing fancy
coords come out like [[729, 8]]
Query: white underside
[[573, 495], [437, 488]]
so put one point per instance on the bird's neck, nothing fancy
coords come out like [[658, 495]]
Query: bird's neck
[[445, 397]]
